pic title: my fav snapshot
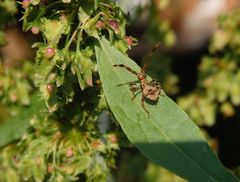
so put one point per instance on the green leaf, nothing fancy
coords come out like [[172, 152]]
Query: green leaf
[[14, 127], [87, 70], [79, 71], [44, 66], [53, 29], [83, 66], [90, 26], [85, 11], [96, 3], [82, 164], [35, 2], [168, 137]]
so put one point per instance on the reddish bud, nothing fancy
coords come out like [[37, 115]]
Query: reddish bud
[[98, 82], [13, 98], [57, 136], [95, 144], [129, 40], [114, 25], [89, 82], [98, 145], [25, 4], [35, 30], [63, 17], [50, 169], [50, 88], [113, 138], [99, 24], [38, 161], [15, 159], [69, 152], [49, 52]]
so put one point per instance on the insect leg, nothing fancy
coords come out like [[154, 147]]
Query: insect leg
[[130, 83], [148, 56], [143, 106], [134, 89], [126, 67]]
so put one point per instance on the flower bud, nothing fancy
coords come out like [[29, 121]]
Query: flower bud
[[114, 25], [129, 41], [113, 138], [99, 25], [25, 4], [49, 52], [35, 30], [50, 88], [13, 98], [69, 152], [50, 169]]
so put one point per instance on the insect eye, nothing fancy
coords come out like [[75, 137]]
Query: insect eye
[[155, 83]]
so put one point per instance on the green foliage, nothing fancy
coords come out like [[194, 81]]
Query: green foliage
[[168, 135], [160, 27], [71, 35], [16, 85], [7, 10], [13, 128], [54, 152], [64, 141], [219, 76]]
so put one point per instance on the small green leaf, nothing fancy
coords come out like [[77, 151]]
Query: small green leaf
[[85, 11], [83, 66], [96, 3], [14, 127], [35, 2], [87, 71], [44, 66], [90, 26], [168, 137], [79, 71], [53, 29], [82, 164]]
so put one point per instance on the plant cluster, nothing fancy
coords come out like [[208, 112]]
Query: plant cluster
[[16, 85], [218, 90], [65, 141], [7, 10], [160, 27]]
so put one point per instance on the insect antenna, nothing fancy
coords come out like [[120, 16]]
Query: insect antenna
[[147, 57]]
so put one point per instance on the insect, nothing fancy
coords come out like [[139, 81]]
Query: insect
[[150, 90]]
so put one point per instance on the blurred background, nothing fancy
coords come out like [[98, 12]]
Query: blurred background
[[197, 65]]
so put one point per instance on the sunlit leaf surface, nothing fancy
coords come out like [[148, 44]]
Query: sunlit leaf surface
[[168, 137]]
